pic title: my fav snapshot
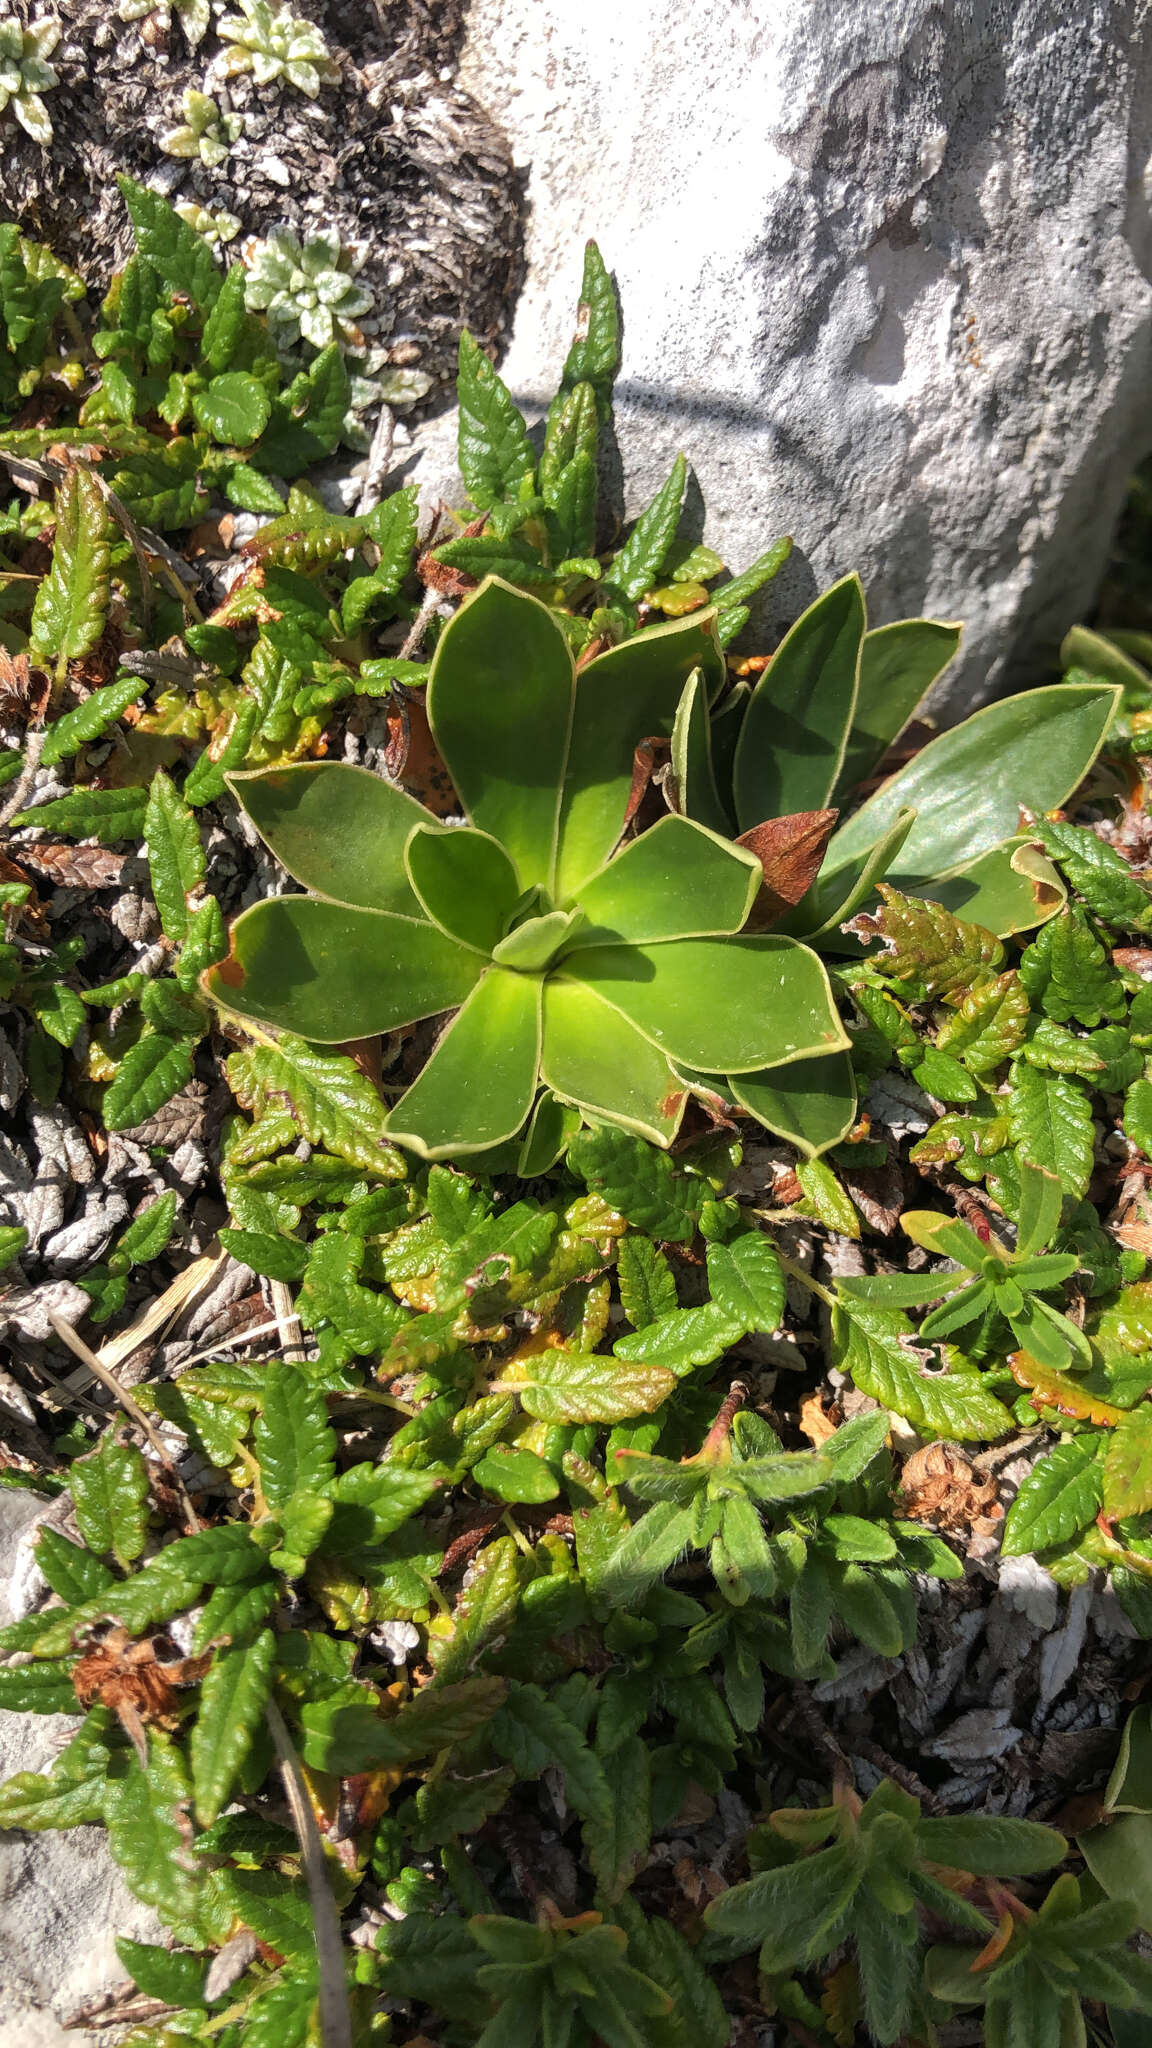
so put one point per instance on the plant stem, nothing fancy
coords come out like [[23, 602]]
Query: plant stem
[[793, 1271], [335, 2017]]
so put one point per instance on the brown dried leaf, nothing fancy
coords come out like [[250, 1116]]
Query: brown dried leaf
[[816, 1425], [75, 867], [790, 851], [940, 1486]]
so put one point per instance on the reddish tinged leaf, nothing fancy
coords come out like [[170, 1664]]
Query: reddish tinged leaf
[[643, 769], [790, 851], [1055, 1390]]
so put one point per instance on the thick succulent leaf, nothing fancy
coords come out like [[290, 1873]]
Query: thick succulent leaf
[[692, 759], [500, 705], [728, 1005], [632, 693], [593, 1057], [465, 882], [550, 1127], [337, 829], [676, 880], [789, 754], [533, 945], [331, 973], [898, 666], [967, 786], [812, 1102], [477, 1088], [1012, 888]]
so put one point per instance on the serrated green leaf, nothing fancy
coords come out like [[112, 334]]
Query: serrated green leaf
[[594, 356], [72, 601], [73, 1573], [1098, 873], [874, 1345], [684, 1338], [110, 1491], [333, 1103], [514, 1474], [616, 1849], [277, 1258], [151, 1072], [639, 1181], [483, 1613], [181, 257], [574, 1386], [232, 1701], [40, 1688], [647, 1288], [1060, 1496], [160, 1973], [143, 1812], [293, 1440], [495, 452], [1128, 1465], [637, 565], [1067, 973], [277, 1909], [929, 949], [67, 735], [989, 1024], [235, 408], [1137, 1117], [532, 1731], [746, 1282], [1050, 1121], [640, 1555], [175, 854]]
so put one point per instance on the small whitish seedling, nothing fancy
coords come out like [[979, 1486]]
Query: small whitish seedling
[[272, 43], [25, 74], [307, 289], [193, 15], [205, 132]]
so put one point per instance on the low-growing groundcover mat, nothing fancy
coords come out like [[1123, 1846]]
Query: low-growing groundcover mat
[[597, 1387]]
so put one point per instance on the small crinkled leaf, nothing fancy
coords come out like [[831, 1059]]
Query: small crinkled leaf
[[1061, 1496], [232, 1700], [41, 1688], [145, 1813], [1066, 972], [642, 1184], [338, 829], [175, 854], [637, 565], [685, 1338], [967, 785], [110, 1490], [873, 1344], [935, 953], [1098, 873], [791, 748], [151, 1072], [532, 1731], [989, 1024], [515, 1474], [329, 973], [675, 881], [483, 1614], [161, 1973], [90, 719], [595, 1058], [104, 814], [276, 1908], [573, 1386], [330, 1099], [347, 1732], [180, 256], [1128, 1465], [719, 1005], [616, 1847], [594, 356], [1050, 1121], [234, 408], [72, 601], [746, 1282], [73, 1573], [500, 705], [495, 452], [293, 1440], [647, 1287], [812, 1102]]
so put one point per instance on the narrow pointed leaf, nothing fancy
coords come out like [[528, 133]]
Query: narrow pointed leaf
[[810, 1102], [465, 883], [495, 452], [629, 694], [337, 829], [692, 760], [231, 1709], [594, 1057], [724, 1005], [637, 566], [72, 601], [791, 748], [790, 851], [676, 880], [898, 666], [330, 973], [478, 1086], [967, 786], [499, 704]]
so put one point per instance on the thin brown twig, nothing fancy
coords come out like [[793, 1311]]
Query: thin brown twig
[[131, 1407], [335, 2017]]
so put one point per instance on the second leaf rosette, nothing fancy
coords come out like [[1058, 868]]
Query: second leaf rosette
[[580, 964]]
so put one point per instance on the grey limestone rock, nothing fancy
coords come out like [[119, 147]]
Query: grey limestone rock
[[884, 272]]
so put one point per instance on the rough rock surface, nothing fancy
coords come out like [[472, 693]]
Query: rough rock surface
[[885, 278], [62, 1900]]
